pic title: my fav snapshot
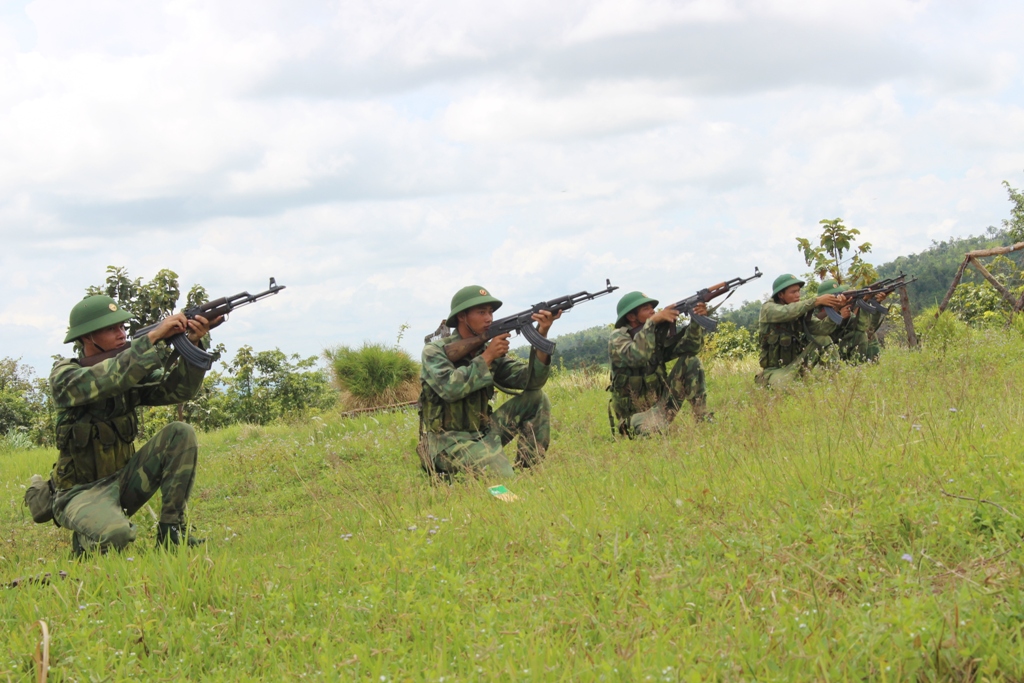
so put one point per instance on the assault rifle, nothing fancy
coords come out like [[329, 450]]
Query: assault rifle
[[211, 310], [522, 323], [864, 298], [705, 295]]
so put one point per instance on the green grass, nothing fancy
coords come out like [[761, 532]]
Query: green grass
[[768, 546]]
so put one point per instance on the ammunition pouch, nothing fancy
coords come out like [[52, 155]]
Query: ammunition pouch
[[39, 499], [636, 390], [470, 414], [780, 345], [92, 450]]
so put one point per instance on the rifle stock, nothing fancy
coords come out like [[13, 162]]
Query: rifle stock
[[458, 350]]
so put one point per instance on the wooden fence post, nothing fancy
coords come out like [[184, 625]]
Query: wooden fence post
[[908, 319], [952, 287]]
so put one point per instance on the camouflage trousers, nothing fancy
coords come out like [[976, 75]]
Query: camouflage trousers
[[821, 352], [859, 348], [98, 512], [685, 382], [526, 418]]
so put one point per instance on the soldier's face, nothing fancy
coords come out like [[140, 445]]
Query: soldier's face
[[109, 337], [643, 314], [790, 295], [479, 318]]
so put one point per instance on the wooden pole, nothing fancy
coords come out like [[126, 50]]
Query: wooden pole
[[993, 281], [908, 319], [952, 287], [998, 251]]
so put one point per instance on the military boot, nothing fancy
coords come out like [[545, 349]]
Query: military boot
[[701, 412], [168, 535]]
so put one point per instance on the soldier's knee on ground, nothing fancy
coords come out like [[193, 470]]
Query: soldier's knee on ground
[[118, 534]]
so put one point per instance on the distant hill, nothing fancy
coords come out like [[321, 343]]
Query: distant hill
[[934, 268], [577, 349]]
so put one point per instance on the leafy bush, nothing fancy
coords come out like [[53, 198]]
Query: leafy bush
[[374, 374], [257, 387], [942, 332], [729, 341]]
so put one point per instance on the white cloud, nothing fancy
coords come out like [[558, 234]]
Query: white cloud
[[376, 156]]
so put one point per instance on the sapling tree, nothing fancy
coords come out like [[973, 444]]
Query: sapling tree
[[826, 258]]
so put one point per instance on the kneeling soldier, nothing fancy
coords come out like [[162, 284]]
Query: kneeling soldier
[[645, 396], [459, 430], [100, 480], [790, 337], [855, 337]]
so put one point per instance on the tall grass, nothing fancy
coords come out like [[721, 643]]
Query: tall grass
[[865, 525], [373, 375]]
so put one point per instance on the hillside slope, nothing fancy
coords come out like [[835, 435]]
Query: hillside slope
[[806, 535]]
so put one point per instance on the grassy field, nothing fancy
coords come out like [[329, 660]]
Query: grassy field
[[811, 534]]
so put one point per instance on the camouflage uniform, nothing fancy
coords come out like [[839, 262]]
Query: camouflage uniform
[[855, 338], [791, 340], [99, 479], [645, 395], [459, 430]]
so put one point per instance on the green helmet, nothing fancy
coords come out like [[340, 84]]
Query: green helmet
[[94, 313], [831, 287], [468, 297], [629, 303], [783, 281]]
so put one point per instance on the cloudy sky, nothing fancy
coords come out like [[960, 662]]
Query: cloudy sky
[[375, 156]]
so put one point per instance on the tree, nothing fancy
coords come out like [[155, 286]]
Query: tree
[[266, 385], [1014, 226], [148, 302], [24, 403], [826, 259]]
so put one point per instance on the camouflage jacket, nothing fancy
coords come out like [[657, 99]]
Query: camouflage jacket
[[96, 420], [455, 398], [638, 359], [785, 330], [862, 324]]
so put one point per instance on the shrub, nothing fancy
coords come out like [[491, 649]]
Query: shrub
[[729, 342], [940, 332], [16, 440], [374, 374]]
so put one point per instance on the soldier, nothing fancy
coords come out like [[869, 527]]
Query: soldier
[[459, 430], [855, 337], [645, 396], [790, 337], [100, 480]]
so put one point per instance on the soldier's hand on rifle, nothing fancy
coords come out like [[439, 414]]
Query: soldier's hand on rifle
[[667, 315], [830, 300], [199, 326], [544, 320], [701, 309], [497, 348], [846, 311], [168, 327], [880, 297]]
